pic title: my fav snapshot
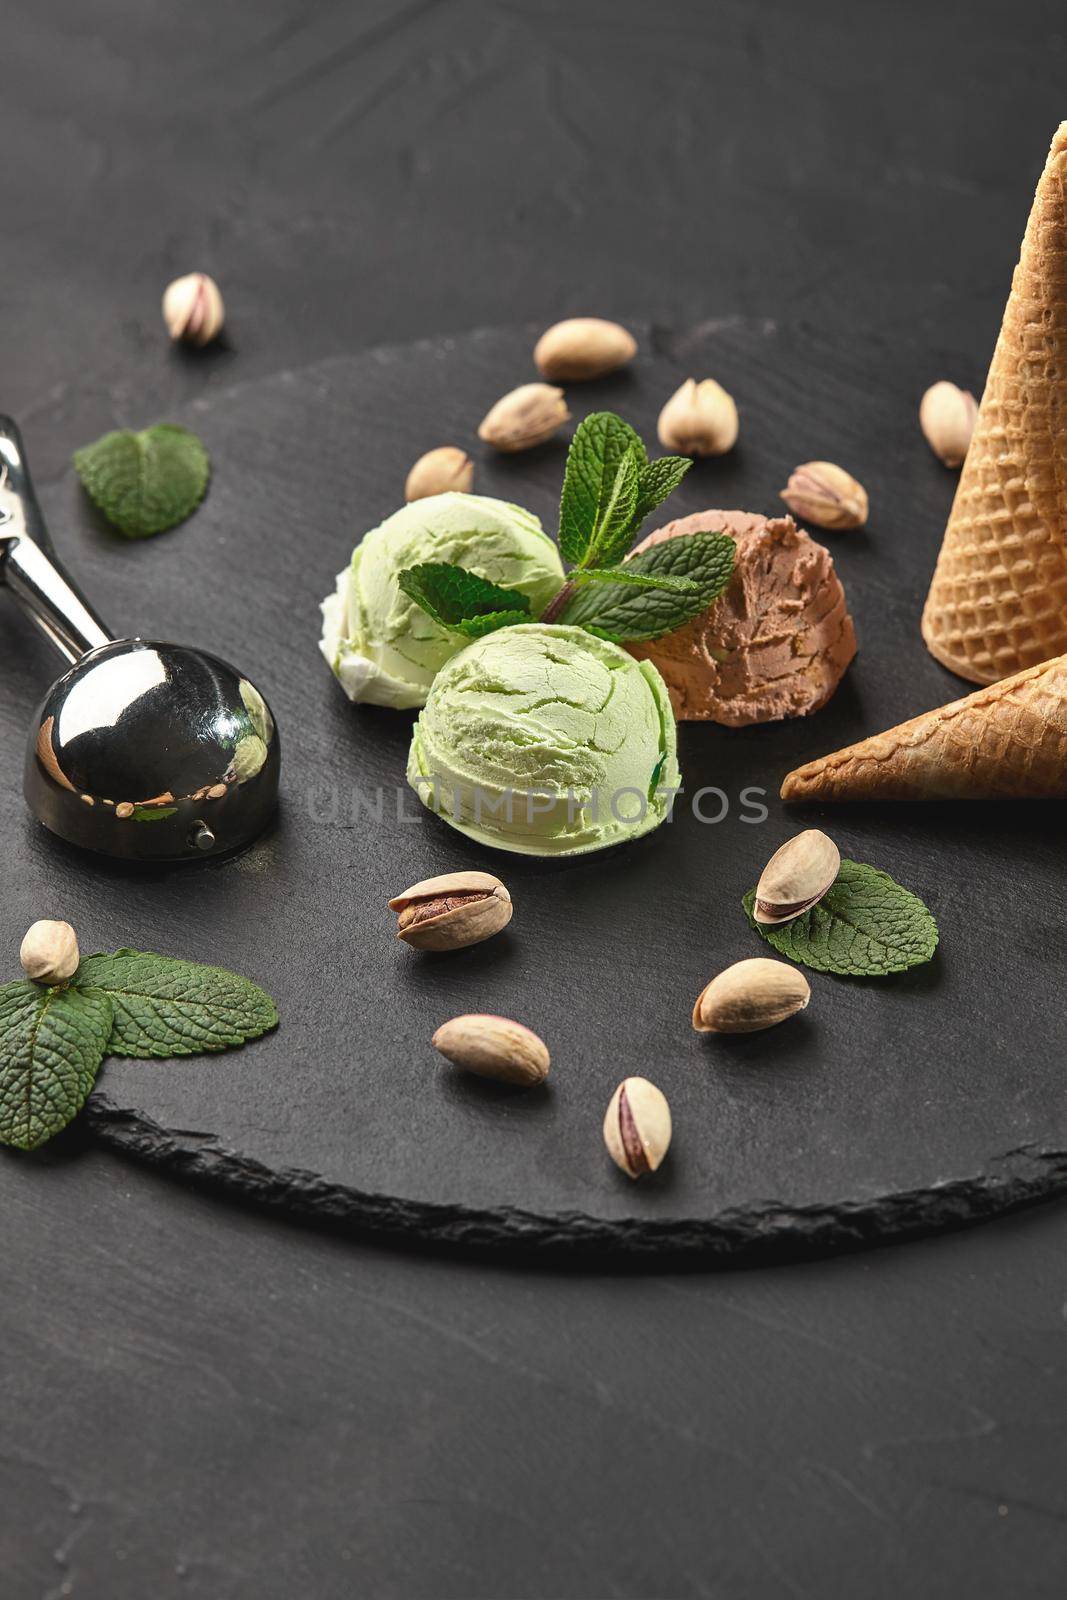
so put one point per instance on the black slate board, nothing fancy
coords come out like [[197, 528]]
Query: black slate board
[[891, 1106]]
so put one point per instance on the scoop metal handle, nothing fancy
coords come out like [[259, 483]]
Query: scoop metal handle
[[29, 565]]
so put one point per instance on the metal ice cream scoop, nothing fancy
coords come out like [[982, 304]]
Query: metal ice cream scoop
[[147, 751]]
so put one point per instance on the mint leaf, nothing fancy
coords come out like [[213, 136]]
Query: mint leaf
[[599, 444], [658, 479], [706, 558], [864, 926], [52, 1042], [620, 611], [145, 482], [164, 1007], [640, 580], [461, 601], [613, 534]]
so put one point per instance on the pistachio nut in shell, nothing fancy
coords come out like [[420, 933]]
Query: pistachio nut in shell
[[796, 877], [452, 911], [750, 995], [826, 495], [947, 416], [193, 309], [637, 1127], [448, 469], [583, 347], [527, 416], [494, 1047], [699, 419], [49, 952]]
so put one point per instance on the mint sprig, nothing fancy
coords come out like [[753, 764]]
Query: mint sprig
[[131, 1003], [865, 926], [145, 483], [609, 488], [462, 601]]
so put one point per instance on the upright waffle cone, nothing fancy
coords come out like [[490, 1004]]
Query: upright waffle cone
[[1008, 741], [998, 601]]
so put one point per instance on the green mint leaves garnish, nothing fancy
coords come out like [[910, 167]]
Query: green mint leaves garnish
[[163, 1007], [145, 483], [462, 601], [53, 1040], [689, 573], [864, 927], [609, 488]]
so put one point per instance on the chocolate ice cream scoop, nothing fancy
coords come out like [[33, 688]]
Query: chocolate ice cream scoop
[[775, 644]]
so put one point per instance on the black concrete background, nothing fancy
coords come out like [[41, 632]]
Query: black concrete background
[[199, 1401]]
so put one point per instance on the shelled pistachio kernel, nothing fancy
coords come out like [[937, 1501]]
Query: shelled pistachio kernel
[[750, 995], [452, 911], [49, 952], [494, 1047], [637, 1127], [796, 877]]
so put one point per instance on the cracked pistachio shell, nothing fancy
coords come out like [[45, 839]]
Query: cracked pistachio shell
[[494, 1047], [751, 995], [947, 416], [583, 347], [445, 470], [527, 416], [796, 877], [699, 419], [637, 1127], [193, 309], [826, 495], [49, 952], [452, 911]]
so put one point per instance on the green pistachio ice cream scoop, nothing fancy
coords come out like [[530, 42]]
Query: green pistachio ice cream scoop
[[381, 646], [548, 741]]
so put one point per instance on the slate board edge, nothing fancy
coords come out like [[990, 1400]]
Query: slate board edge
[[767, 1233]]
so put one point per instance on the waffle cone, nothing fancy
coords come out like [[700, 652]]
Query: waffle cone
[[998, 601], [1007, 741]]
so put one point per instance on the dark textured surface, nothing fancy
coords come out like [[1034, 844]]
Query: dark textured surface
[[198, 1402], [853, 1120], [203, 1402]]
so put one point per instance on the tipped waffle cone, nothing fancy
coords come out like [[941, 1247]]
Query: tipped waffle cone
[[998, 601], [1007, 741]]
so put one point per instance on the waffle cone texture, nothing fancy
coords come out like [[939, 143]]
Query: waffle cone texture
[[998, 601], [1007, 741]]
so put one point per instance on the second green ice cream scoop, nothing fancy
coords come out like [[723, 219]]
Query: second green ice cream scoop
[[546, 740]]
